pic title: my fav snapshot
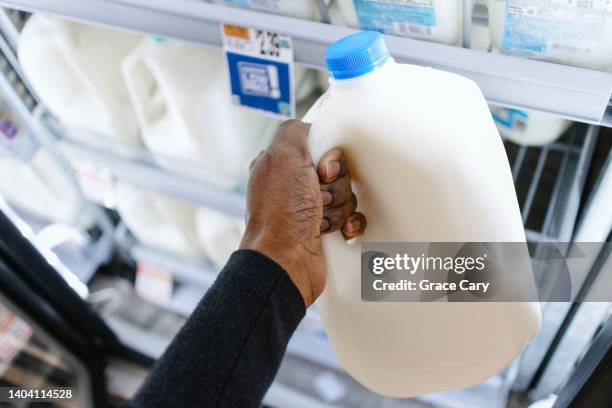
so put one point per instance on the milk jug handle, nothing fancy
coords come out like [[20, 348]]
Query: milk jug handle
[[310, 117], [69, 41], [146, 98]]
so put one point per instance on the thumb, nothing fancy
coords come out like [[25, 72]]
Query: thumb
[[293, 132]]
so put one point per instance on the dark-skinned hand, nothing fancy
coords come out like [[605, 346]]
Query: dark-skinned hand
[[290, 203]]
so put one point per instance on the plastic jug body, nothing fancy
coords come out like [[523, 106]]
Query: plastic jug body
[[306, 10], [418, 179], [182, 90], [76, 70]]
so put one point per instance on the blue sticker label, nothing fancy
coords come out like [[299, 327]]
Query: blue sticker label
[[260, 83], [239, 3], [404, 17], [542, 30], [255, 4], [260, 67], [510, 118]]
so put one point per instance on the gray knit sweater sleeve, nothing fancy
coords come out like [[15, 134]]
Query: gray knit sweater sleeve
[[230, 348]]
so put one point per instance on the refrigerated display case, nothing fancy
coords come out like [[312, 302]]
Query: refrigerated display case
[[130, 326]]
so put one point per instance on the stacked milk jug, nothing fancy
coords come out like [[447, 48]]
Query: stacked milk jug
[[386, 117], [432, 20], [305, 9], [30, 180], [521, 126], [571, 32], [173, 98], [76, 71], [181, 98]]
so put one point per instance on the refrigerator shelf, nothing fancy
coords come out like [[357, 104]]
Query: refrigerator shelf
[[579, 94]]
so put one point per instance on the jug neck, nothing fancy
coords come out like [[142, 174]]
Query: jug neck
[[363, 80]]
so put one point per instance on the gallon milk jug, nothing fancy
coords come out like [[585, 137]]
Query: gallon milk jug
[[528, 128], [76, 71], [304, 9], [39, 187], [29, 178], [181, 96], [572, 32], [431, 20], [159, 221], [219, 234], [426, 161]]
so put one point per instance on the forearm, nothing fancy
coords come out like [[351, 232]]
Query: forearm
[[229, 350]]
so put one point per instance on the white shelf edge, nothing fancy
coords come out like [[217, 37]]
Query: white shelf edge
[[574, 93], [160, 180]]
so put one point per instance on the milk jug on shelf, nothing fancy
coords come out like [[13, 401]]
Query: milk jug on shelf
[[418, 179], [159, 221], [572, 32], [76, 71], [181, 96], [528, 128], [219, 234], [432, 20], [30, 180], [304, 9], [39, 187]]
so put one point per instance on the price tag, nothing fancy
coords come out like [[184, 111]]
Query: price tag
[[153, 283], [260, 64]]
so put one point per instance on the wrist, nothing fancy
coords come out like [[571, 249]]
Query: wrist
[[283, 257]]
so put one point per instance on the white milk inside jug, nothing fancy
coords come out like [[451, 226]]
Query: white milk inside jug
[[571, 32], [181, 96], [159, 221], [431, 20], [304, 9], [76, 71], [529, 128], [219, 234], [418, 179]]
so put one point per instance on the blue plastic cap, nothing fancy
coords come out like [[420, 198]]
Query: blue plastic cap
[[356, 54]]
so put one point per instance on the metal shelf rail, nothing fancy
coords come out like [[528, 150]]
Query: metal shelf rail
[[552, 182], [549, 181], [575, 93]]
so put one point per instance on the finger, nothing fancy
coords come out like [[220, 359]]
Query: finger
[[332, 165], [339, 191], [354, 225], [337, 216], [291, 138], [292, 131]]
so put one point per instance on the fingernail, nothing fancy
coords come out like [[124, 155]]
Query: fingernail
[[353, 226], [325, 224], [327, 197], [332, 169]]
